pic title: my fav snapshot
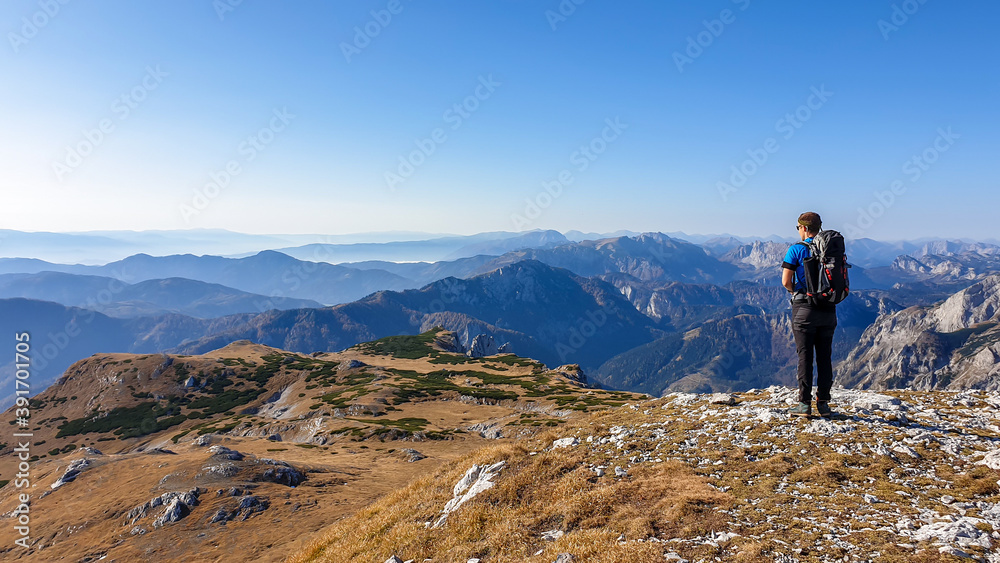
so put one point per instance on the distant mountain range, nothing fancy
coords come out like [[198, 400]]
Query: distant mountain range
[[273, 274], [545, 312], [115, 298], [101, 247], [62, 335], [432, 250], [647, 312]]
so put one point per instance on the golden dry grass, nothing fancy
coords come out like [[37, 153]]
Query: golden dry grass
[[553, 490]]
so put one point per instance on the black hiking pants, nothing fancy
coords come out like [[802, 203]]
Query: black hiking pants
[[813, 328]]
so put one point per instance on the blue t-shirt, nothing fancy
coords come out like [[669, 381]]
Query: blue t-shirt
[[793, 261]]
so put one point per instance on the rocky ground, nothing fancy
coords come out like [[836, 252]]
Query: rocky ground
[[913, 471], [895, 476]]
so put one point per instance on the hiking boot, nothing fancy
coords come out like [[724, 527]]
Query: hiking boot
[[823, 408], [801, 409]]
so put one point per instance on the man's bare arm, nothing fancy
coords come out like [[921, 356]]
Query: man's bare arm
[[788, 279]]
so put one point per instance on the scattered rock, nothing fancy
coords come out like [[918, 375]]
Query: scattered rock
[[221, 516], [222, 452], [954, 551], [566, 443], [563, 558], [246, 507], [175, 510], [365, 410], [448, 341], [722, 399], [394, 559], [75, 468], [991, 460], [412, 455], [476, 480], [221, 470], [488, 430], [485, 345], [826, 427], [281, 473], [876, 402], [177, 505], [553, 535], [963, 531], [574, 372], [352, 364], [880, 449]]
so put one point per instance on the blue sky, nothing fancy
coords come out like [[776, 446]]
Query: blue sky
[[487, 103]]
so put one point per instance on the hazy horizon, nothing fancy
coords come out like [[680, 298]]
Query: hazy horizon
[[389, 115]]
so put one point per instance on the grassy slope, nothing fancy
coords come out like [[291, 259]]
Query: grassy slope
[[693, 470], [350, 429]]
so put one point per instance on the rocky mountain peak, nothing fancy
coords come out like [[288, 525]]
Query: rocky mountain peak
[[977, 304]]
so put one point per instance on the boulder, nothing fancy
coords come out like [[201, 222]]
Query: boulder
[[412, 455], [722, 399], [565, 442], [281, 473], [222, 452], [178, 505], [71, 473], [352, 364], [174, 511], [485, 345], [476, 480]]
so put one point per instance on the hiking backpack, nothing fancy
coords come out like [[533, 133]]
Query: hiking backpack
[[826, 269]]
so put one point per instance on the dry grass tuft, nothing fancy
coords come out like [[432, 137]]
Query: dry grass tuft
[[553, 490]]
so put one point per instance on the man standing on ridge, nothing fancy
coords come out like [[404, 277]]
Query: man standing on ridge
[[812, 324]]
